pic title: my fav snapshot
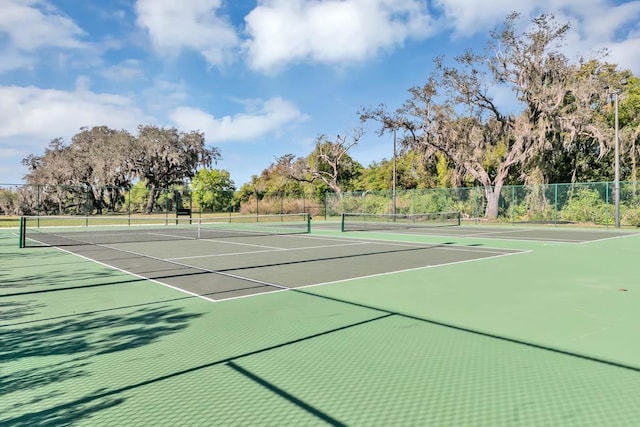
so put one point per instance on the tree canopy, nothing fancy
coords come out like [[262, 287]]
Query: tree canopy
[[102, 162], [455, 113]]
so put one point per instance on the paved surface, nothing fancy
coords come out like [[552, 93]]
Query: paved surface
[[229, 268], [542, 337]]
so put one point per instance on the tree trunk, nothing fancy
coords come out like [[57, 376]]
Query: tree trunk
[[152, 199], [493, 199]]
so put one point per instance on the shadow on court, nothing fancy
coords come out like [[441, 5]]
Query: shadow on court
[[76, 340], [162, 320]]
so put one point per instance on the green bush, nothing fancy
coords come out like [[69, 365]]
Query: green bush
[[586, 205]]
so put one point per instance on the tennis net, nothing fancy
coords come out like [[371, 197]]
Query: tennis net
[[88, 230], [371, 221]]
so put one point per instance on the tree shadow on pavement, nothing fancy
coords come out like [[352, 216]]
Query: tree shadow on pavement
[[72, 343]]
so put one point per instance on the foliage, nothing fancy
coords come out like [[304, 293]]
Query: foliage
[[328, 167], [9, 204], [454, 113], [411, 172], [213, 190], [100, 164], [97, 158], [137, 196], [586, 205], [164, 157]]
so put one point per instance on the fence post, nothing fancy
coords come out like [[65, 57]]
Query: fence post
[[166, 207], [513, 204], [555, 205], [606, 196], [326, 204]]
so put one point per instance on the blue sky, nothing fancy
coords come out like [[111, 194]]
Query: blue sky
[[260, 78]]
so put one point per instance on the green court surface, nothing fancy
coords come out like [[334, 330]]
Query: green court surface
[[460, 326]]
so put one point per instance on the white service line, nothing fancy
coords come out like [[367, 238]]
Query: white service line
[[137, 275], [412, 269], [609, 238], [486, 249], [172, 236], [519, 230], [220, 240], [206, 270], [489, 237], [265, 251]]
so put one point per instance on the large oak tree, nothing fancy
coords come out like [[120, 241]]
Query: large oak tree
[[456, 112], [165, 156]]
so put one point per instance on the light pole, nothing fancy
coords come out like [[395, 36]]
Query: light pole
[[393, 193], [616, 167], [616, 172]]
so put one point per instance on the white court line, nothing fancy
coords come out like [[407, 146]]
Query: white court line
[[288, 236], [500, 232], [293, 289], [531, 239], [265, 251], [206, 270], [489, 249], [387, 273], [221, 240], [173, 236], [466, 236], [384, 243], [137, 275], [444, 247], [609, 238], [278, 287]]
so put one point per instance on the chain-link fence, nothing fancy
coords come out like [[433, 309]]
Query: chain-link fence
[[137, 200], [578, 203], [75, 200]]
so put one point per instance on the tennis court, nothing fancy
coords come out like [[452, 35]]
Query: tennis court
[[440, 326]]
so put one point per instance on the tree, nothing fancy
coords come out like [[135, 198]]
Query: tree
[[329, 163], [213, 189], [164, 157], [629, 120], [54, 171], [94, 166], [101, 163], [454, 112], [412, 171]]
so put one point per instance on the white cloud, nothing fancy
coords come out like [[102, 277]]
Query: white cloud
[[271, 116], [591, 18], [195, 24], [11, 60], [595, 24], [467, 18], [626, 54], [30, 117], [129, 69], [33, 24], [615, 29], [32, 113], [332, 31]]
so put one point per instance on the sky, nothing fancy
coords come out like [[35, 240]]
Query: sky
[[260, 78]]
